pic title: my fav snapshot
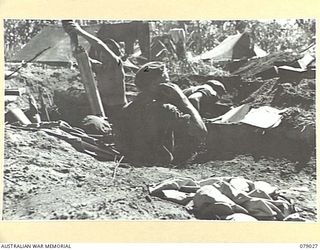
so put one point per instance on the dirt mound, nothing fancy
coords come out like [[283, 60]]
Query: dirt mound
[[35, 78], [299, 99], [46, 178], [64, 93], [293, 139], [257, 65], [301, 95]]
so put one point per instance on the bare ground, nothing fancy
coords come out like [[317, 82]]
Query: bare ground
[[46, 178]]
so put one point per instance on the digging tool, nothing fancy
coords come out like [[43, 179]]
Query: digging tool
[[24, 63], [86, 74]]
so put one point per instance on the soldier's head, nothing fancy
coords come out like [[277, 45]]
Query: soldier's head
[[150, 75]]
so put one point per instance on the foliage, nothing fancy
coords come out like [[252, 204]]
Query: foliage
[[270, 35], [275, 36]]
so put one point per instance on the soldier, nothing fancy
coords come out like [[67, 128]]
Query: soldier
[[205, 97], [145, 127]]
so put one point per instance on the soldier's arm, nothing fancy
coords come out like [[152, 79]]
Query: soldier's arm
[[175, 96], [72, 27]]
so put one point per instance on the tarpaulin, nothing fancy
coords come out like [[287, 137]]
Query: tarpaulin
[[262, 117], [227, 198]]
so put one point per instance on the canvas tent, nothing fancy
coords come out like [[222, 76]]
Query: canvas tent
[[233, 47], [59, 43]]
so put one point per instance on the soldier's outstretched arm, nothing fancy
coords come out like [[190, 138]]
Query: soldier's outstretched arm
[[72, 27]]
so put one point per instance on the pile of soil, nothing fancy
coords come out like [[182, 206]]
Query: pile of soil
[[46, 178], [255, 66], [298, 98]]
